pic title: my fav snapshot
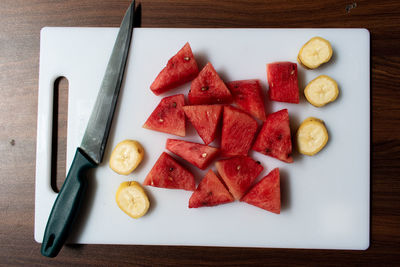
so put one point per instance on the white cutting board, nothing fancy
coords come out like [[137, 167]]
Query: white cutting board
[[325, 198]]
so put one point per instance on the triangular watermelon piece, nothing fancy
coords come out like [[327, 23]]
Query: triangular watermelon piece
[[266, 194], [168, 173], [282, 80], [238, 130], [274, 138], [180, 69], [210, 192], [168, 117], [204, 119], [238, 173], [248, 95], [198, 154], [208, 88]]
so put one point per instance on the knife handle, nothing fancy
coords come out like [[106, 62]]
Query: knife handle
[[66, 206]]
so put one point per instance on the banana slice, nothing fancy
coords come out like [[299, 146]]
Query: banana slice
[[321, 91], [311, 136], [315, 52], [132, 199], [126, 156]]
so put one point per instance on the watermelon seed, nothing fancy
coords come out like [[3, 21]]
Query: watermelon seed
[[204, 155], [238, 167], [152, 183], [186, 58], [174, 104], [204, 88], [209, 193], [161, 120], [279, 137], [292, 72], [267, 150], [258, 162], [170, 178], [171, 169]]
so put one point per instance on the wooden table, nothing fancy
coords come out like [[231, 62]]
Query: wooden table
[[21, 22]]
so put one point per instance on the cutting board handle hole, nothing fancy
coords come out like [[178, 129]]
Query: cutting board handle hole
[[59, 133]]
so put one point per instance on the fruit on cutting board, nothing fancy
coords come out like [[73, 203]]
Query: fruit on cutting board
[[274, 138], [180, 69], [238, 131], [132, 199], [282, 81], [248, 95], [238, 173], [311, 136], [205, 119], [168, 173], [266, 194], [126, 156], [210, 192], [321, 91], [168, 117], [208, 88], [315, 52], [198, 154]]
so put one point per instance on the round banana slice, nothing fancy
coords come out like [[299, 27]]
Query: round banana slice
[[126, 156], [321, 91], [315, 52], [132, 199], [311, 136]]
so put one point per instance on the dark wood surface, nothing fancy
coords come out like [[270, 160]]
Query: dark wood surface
[[20, 24]]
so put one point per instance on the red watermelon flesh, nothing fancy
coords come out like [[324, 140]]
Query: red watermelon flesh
[[168, 117], [266, 194], [208, 88], [282, 80], [180, 69], [274, 138], [210, 192], [204, 119], [248, 95], [168, 173], [238, 173], [238, 130], [198, 154]]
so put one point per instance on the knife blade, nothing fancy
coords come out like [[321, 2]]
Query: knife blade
[[90, 153]]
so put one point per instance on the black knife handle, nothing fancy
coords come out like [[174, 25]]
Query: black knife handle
[[66, 206]]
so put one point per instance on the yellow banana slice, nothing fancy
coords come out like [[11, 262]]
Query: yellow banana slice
[[132, 199], [315, 52], [311, 136], [321, 91], [126, 156]]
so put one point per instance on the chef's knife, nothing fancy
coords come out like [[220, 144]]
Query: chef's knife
[[90, 153]]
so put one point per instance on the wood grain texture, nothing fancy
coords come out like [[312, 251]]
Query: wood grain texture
[[21, 22]]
